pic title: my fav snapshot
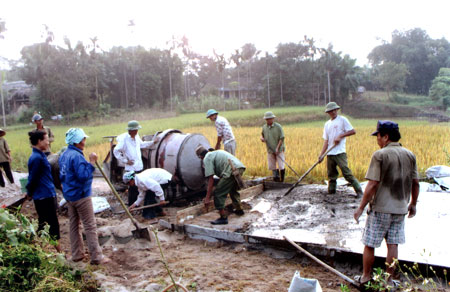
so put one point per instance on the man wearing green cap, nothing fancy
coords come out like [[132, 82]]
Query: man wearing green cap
[[224, 131], [334, 134], [128, 151], [218, 163], [273, 135], [39, 121]]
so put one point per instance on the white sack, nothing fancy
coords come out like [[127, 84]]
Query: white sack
[[299, 284]]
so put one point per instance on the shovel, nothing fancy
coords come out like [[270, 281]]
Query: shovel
[[140, 208], [288, 165], [305, 174], [139, 232]]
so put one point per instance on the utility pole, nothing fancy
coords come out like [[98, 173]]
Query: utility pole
[[3, 103], [328, 77], [170, 81], [267, 75], [281, 88]]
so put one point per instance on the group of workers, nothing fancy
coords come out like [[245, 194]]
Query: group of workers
[[391, 192], [76, 176]]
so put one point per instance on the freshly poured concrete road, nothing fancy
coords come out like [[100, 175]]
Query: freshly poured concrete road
[[427, 234], [312, 216]]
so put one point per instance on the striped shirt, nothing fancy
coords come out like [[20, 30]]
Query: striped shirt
[[224, 129]]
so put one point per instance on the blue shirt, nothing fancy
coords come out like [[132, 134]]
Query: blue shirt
[[76, 174], [40, 181]]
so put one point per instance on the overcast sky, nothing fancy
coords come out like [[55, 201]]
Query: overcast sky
[[354, 27]]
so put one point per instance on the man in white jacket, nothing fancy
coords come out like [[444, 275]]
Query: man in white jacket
[[128, 151], [150, 184]]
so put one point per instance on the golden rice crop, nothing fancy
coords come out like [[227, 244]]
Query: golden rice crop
[[303, 145]]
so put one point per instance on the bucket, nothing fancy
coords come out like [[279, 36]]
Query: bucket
[[23, 184]]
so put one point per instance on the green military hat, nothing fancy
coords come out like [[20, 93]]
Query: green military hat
[[133, 125], [331, 106], [269, 115], [211, 112]]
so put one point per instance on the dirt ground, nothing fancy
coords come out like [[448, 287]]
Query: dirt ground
[[198, 265]]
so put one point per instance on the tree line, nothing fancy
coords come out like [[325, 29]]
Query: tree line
[[85, 77]]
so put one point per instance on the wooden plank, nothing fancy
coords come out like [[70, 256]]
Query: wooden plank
[[200, 209]]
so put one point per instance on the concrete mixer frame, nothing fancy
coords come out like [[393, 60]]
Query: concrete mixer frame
[[173, 151]]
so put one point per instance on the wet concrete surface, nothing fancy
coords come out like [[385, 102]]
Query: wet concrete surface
[[310, 215]]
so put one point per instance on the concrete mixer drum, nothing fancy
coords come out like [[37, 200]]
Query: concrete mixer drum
[[175, 152]]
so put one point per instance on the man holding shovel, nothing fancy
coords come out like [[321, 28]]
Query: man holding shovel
[[150, 184], [272, 134], [391, 193], [334, 135]]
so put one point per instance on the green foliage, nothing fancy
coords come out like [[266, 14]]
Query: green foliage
[[414, 280], [25, 116], [440, 88], [391, 76], [344, 288], [203, 103], [25, 263], [399, 99], [421, 55]]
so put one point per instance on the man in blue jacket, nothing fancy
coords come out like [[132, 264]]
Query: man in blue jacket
[[76, 175]]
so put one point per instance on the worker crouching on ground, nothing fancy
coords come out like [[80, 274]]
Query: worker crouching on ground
[[151, 184], [224, 131], [391, 193], [76, 175], [5, 159], [128, 151], [217, 163], [40, 185], [334, 134], [273, 135]]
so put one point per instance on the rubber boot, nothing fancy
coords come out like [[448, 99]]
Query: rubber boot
[[276, 175], [332, 186], [220, 221], [282, 173]]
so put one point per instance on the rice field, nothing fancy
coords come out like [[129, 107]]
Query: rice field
[[304, 142], [303, 139]]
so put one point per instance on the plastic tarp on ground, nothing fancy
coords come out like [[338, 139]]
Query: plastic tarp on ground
[[299, 284], [441, 175], [99, 204]]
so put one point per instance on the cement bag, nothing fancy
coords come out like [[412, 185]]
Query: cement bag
[[100, 204], [438, 171], [299, 284]]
